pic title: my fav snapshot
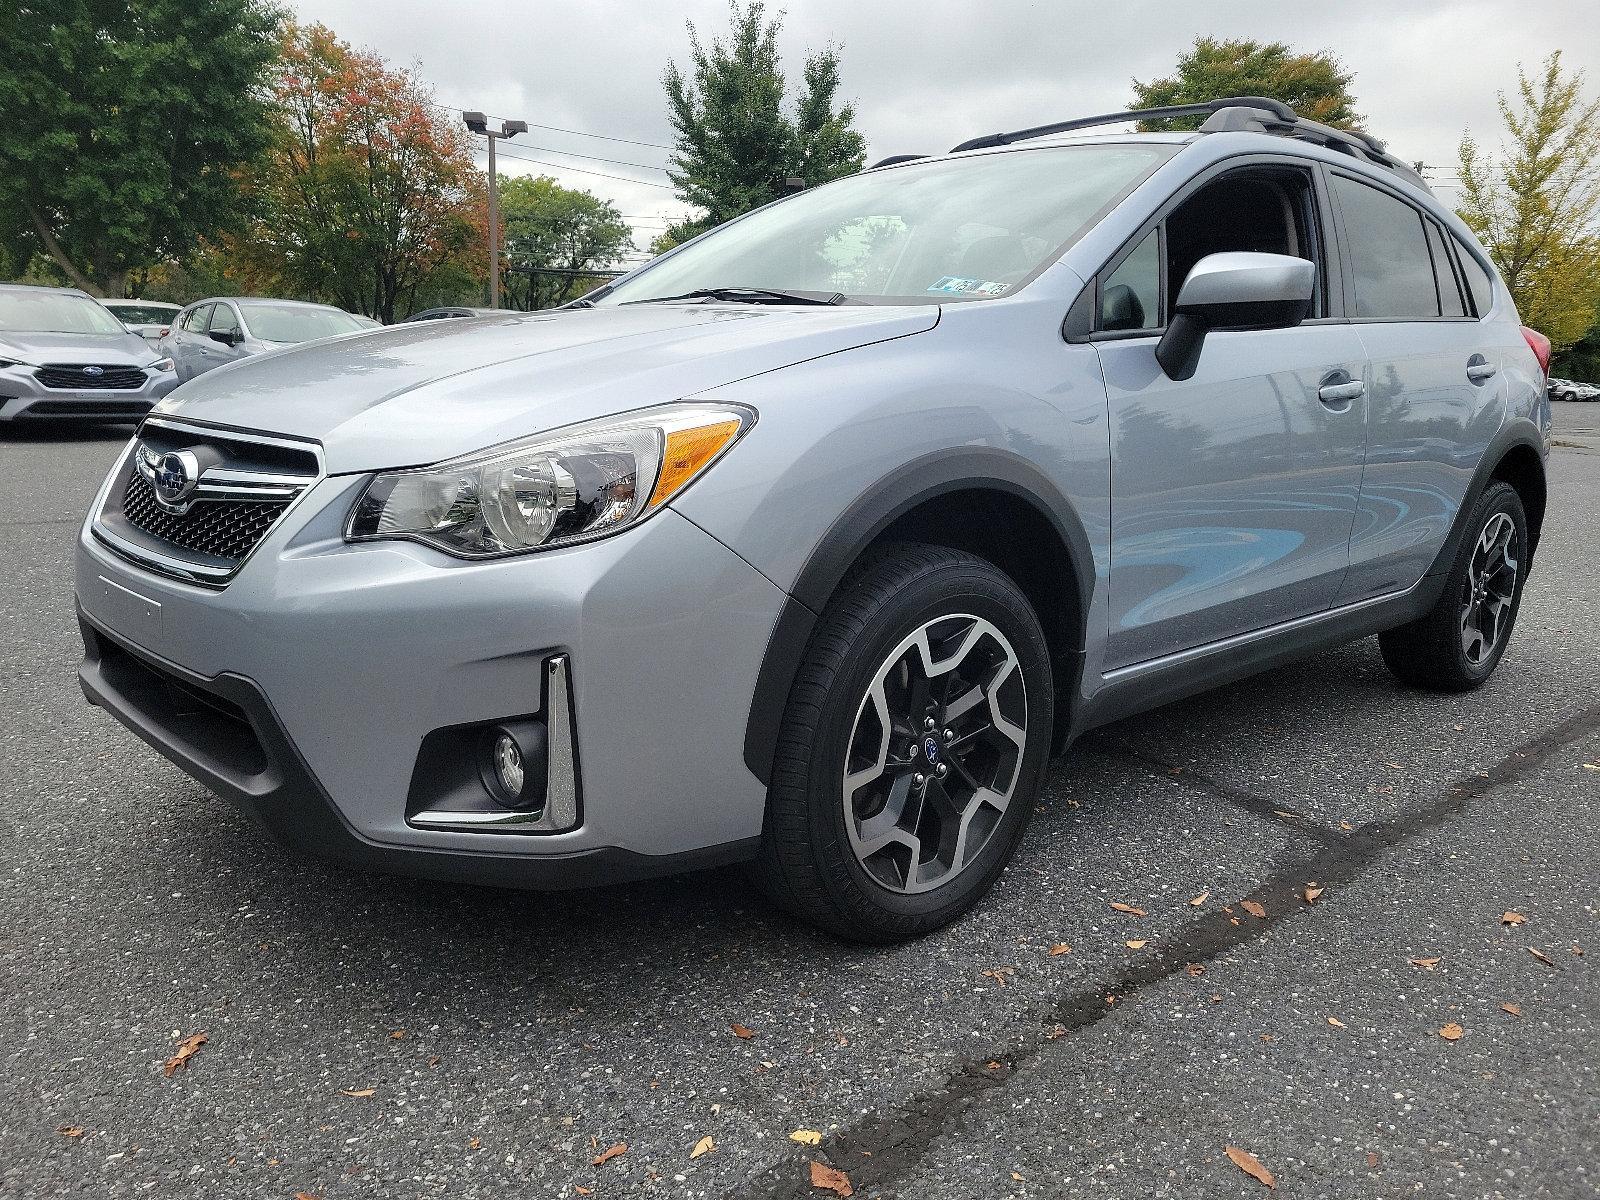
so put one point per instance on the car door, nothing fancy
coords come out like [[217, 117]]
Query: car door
[[1434, 401], [1232, 492], [184, 341], [225, 323]]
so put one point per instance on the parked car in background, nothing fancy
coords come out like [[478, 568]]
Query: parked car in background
[[448, 313], [148, 318], [813, 540], [65, 357], [1569, 389], [223, 329], [367, 322]]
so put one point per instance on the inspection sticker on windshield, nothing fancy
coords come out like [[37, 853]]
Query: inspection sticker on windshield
[[955, 285]]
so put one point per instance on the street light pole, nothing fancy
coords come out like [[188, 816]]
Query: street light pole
[[479, 124]]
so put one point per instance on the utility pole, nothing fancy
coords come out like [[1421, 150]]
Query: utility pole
[[479, 124]]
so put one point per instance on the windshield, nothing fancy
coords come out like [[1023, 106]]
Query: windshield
[[54, 312], [143, 314], [282, 323], [954, 229]]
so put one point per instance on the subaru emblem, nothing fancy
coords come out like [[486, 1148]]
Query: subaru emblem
[[930, 749], [94, 370], [175, 477]]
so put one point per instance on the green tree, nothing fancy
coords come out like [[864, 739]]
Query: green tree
[[368, 196], [552, 236], [736, 141], [125, 124], [1314, 85], [1536, 205]]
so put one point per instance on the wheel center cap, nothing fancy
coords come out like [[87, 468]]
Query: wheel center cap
[[930, 749]]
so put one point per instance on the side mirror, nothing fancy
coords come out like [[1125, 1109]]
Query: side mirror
[[227, 337], [1235, 290]]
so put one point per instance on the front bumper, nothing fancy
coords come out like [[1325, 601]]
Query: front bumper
[[24, 398], [341, 658]]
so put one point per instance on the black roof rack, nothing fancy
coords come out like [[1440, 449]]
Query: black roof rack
[[1258, 114]]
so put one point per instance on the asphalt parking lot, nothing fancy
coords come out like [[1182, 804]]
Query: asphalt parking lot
[[379, 1037]]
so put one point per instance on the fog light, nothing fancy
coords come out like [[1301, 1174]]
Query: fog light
[[515, 764], [508, 764]]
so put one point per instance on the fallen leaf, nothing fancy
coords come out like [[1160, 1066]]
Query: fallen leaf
[[1060, 948], [1346, 826], [1577, 951], [433, 1060], [1372, 1159], [609, 1153], [186, 1050], [704, 1146], [1016, 1177], [1254, 909], [398, 1034], [1057, 1031], [306, 1196], [358, 1093], [1427, 964], [830, 1179], [1541, 956], [1513, 1009], [1200, 899], [806, 1137], [474, 1143], [1195, 969], [998, 974], [1451, 1032], [1250, 1165], [581, 1190], [1136, 944], [1336, 1023], [1131, 910], [1512, 918], [742, 1031], [1312, 892], [71, 1131]]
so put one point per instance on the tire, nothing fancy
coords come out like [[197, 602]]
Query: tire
[[902, 858], [1457, 644]]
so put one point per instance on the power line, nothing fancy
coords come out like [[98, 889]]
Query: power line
[[584, 170], [605, 137]]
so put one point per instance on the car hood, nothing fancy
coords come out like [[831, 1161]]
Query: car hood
[[414, 394], [110, 349]]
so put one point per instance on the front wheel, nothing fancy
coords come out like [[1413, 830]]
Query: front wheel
[[913, 747], [1456, 645]]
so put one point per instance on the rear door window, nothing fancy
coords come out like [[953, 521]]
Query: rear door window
[[1389, 253]]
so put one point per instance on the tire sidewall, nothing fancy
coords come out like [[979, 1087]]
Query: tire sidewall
[[978, 590]]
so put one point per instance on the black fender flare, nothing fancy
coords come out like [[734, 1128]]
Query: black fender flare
[[1520, 431], [957, 469]]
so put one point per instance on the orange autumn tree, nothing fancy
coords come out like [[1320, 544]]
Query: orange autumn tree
[[369, 197]]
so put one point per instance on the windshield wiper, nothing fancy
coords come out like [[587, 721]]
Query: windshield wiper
[[750, 295]]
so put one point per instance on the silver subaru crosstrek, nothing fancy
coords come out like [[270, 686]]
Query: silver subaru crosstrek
[[810, 543]]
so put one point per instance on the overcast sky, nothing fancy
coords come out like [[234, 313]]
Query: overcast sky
[[926, 74]]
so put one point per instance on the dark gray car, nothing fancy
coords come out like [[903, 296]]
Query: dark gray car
[[223, 329]]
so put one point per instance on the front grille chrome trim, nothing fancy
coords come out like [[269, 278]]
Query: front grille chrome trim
[[217, 484]]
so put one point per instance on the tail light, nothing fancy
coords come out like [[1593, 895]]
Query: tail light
[[1540, 345]]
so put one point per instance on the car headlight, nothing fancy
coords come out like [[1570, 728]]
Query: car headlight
[[566, 486], [163, 364]]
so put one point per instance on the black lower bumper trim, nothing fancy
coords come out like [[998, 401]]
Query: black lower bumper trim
[[263, 774]]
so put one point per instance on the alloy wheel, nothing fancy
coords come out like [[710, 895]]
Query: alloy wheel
[[935, 753], [1489, 589]]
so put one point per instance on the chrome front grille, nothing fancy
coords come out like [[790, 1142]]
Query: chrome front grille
[[111, 377], [195, 502]]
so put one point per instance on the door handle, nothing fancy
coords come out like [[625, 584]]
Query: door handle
[[1341, 393], [1478, 370]]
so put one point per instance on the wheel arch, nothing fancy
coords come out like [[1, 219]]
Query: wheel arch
[[1515, 456], [985, 501]]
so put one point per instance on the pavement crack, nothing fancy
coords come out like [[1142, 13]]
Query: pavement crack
[[1256, 805], [881, 1150]]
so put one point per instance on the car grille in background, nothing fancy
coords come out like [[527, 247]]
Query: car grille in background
[[71, 376], [225, 529]]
